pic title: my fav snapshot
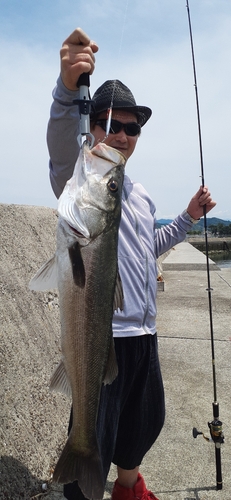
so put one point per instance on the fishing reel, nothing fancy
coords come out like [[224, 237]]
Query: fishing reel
[[216, 437], [215, 427], [216, 433]]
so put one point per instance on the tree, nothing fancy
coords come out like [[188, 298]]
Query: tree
[[213, 228]]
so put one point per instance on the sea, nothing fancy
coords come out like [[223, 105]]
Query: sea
[[222, 262]]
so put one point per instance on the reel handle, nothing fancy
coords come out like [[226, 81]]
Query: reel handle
[[195, 432]]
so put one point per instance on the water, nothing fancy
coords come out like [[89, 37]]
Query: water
[[223, 263], [223, 259]]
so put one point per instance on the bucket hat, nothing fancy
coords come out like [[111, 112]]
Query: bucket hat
[[121, 97]]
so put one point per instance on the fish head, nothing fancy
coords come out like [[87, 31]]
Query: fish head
[[91, 200], [102, 201]]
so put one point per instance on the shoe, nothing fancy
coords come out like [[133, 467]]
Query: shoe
[[138, 492]]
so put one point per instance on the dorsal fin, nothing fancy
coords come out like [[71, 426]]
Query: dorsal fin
[[118, 296]]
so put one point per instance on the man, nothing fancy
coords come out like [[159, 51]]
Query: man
[[131, 411]]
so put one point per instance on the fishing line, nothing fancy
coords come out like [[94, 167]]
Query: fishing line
[[224, 280], [215, 426], [109, 111], [85, 103]]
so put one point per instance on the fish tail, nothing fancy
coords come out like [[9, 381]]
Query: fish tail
[[85, 468]]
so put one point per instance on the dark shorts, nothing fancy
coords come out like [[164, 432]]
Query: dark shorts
[[132, 410]]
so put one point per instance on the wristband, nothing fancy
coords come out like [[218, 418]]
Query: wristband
[[188, 217]]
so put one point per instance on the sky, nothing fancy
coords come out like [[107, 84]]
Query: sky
[[146, 45]]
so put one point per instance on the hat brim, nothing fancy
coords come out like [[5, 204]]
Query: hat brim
[[143, 113]]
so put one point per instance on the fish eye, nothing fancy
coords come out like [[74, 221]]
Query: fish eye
[[113, 185]]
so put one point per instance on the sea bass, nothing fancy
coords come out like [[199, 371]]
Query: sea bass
[[85, 271]]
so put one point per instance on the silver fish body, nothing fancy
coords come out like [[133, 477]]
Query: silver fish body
[[89, 291]]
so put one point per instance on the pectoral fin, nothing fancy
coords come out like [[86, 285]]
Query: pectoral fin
[[78, 269], [46, 277]]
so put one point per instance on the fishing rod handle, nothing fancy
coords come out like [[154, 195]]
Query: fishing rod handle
[[218, 467], [84, 102], [84, 79]]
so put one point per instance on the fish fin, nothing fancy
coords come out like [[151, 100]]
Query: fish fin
[[46, 277], [119, 295], [84, 467], [78, 269], [112, 367], [59, 380]]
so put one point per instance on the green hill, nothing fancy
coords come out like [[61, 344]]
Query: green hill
[[211, 221]]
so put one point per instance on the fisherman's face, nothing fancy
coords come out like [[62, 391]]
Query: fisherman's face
[[121, 141]]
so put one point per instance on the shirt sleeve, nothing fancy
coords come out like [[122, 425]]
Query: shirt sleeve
[[171, 234], [62, 132]]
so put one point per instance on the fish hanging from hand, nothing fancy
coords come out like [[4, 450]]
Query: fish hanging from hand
[[85, 271]]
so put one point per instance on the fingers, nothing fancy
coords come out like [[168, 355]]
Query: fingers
[[77, 37], [201, 201], [205, 197], [77, 57]]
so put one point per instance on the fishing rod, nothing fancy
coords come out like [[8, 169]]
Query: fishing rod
[[215, 427], [85, 105]]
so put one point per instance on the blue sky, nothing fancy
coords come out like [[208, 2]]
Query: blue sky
[[146, 45]]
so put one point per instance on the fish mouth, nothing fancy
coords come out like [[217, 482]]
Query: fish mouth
[[80, 235]]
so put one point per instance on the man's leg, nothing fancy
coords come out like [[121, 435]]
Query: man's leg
[[141, 418], [127, 478]]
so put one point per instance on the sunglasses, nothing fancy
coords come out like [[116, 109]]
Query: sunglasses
[[131, 128]]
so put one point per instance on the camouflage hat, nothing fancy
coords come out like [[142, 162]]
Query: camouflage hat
[[121, 97]]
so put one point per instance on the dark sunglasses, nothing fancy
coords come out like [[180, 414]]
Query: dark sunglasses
[[131, 128]]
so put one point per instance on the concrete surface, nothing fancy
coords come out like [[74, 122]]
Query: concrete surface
[[179, 467], [185, 257]]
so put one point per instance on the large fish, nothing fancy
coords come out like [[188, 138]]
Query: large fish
[[85, 270]]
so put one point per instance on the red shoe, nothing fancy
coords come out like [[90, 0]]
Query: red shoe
[[138, 492]]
